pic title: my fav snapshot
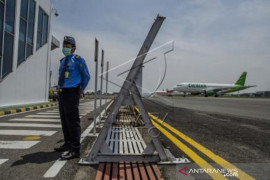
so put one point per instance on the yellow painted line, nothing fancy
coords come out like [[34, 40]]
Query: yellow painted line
[[194, 156], [12, 111], [31, 138], [222, 162]]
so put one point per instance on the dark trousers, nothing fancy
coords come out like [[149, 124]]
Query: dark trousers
[[69, 113]]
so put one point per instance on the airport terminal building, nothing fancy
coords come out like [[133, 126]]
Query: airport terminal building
[[25, 46]]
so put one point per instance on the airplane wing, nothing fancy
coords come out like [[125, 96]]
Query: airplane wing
[[250, 86], [216, 91], [212, 91], [234, 89]]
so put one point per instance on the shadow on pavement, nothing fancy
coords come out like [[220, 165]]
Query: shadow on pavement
[[37, 158]]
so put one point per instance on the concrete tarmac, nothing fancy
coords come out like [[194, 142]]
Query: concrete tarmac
[[253, 108], [237, 130]]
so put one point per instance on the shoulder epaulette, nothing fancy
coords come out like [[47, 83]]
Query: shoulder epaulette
[[77, 56]]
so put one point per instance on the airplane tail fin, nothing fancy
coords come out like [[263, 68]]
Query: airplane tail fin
[[242, 79]]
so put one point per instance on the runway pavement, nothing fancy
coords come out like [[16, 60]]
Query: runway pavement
[[236, 130], [253, 108]]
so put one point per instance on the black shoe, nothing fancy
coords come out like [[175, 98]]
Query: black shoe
[[70, 155], [62, 148]]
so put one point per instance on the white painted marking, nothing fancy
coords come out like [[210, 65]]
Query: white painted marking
[[29, 125], [35, 120], [59, 164], [81, 114], [3, 161], [92, 102], [87, 103], [24, 112], [53, 111], [42, 116], [17, 144], [27, 132], [88, 107], [55, 168], [86, 111], [48, 113]]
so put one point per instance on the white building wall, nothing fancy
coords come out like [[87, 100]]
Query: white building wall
[[28, 83]]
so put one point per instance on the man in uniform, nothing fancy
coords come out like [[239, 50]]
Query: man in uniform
[[73, 79]]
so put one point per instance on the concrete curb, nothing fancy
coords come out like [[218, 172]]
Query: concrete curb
[[24, 109]]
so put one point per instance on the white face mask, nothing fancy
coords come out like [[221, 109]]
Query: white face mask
[[66, 51]]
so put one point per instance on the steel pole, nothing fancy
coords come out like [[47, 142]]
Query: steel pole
[[139, 79], [101, 83], [107, 79], [96, 81]]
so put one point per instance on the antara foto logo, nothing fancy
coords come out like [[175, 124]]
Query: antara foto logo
[[183, 169]]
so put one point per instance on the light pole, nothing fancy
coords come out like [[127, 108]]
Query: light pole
[[96, 81], [107, 79], [101, 83]]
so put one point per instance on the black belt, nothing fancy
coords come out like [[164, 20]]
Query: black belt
[[68, 89]]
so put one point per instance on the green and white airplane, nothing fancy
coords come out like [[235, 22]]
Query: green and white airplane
[[209, 89]]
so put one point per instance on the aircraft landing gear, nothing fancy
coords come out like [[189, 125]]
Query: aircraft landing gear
[[205, 94]]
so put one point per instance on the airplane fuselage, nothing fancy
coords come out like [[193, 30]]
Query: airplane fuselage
[[213, 88], [202, 87]]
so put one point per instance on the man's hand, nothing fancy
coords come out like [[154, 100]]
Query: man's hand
[[80, 93]]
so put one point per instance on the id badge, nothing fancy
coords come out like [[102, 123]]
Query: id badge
[[66, 74]]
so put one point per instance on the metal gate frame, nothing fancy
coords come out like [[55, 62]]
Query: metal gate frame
[[130, 95]]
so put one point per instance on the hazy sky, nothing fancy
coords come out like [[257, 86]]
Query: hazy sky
[[214, 40]]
